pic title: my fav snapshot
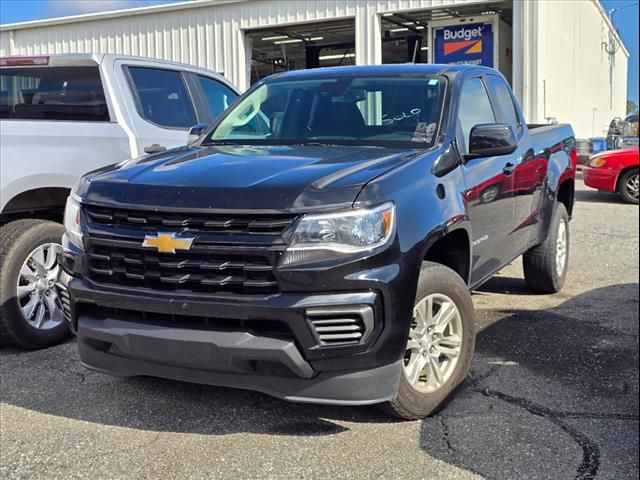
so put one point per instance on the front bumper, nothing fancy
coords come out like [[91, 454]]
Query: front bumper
[[601, 178], [224, 359], [142, 332]]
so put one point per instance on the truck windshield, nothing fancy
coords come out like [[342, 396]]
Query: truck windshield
[[345, 110]]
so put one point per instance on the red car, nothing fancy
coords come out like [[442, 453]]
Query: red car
[[614, 171]]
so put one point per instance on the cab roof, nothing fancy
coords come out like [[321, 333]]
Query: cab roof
[[390, 69]]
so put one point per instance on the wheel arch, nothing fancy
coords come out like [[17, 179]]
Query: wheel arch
[[566, 194], [51, 199], [559, 187], [452, 249], [623, 172]]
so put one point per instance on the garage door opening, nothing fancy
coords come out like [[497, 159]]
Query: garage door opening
[[295, 47], [475, 34]]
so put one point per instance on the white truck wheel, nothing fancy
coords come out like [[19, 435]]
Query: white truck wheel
[[30, 311]]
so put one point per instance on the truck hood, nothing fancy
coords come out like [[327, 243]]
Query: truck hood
[[276, 178]]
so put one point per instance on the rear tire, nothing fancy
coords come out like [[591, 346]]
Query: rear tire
[[422, 390], [628, 186], [29, 288], [545, 266]]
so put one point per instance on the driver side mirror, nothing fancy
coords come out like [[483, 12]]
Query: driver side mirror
[[491, 140], [195, 132]]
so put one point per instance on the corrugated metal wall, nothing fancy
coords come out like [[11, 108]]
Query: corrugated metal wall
[[558, 41], [578, 87], [208, 35]]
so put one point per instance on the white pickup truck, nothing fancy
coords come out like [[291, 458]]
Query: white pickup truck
[[60, 117]]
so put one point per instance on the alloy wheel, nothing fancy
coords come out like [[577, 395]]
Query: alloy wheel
[[36, 292], [633, 186], [434, 344], [561, 248]]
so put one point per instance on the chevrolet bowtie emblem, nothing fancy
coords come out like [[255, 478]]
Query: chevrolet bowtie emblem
[[167, 242]]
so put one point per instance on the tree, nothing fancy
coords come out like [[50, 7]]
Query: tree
[[631, 106]]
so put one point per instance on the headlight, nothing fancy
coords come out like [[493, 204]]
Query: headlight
[[72, 221], [597, 162], [336, 235]]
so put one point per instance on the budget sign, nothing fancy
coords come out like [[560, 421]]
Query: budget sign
[[470, 44]]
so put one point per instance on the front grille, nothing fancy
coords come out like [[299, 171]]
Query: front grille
[[188, 223], [261, 327], [234, 254], [337, 326], [229, 272]]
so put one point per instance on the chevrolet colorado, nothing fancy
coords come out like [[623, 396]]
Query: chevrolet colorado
[[60, 117], [319, 242]]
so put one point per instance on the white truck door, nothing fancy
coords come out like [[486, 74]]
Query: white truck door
[[159, 103]]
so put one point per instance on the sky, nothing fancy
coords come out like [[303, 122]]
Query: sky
[[12, 11], [626, 21]]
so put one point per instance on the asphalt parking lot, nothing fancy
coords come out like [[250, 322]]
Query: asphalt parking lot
[[553, 394]]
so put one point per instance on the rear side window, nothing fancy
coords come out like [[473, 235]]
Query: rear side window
[[474, 108], [504, 106], [218, 95], [52, 93], [162, 97]]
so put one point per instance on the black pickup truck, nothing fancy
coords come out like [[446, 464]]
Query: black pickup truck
[[319, 242]]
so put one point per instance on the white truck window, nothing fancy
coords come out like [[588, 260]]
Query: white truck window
[[162, 97], [52, 93], [218, 95]]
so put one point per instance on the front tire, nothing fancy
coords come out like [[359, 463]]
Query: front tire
[[440, 345], [30, 311], [545, 266], [628, 186], [490, 194]]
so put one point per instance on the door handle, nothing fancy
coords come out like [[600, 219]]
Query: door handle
[[155, 148], [508, 169]]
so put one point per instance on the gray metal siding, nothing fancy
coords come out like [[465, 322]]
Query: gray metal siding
[[207, 35]]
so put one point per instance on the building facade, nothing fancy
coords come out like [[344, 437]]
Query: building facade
[[564, 59]]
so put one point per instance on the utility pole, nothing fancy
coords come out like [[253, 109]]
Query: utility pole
[[613, 46]]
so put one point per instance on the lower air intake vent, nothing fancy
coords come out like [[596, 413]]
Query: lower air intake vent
[[341, 325], [63, 295]]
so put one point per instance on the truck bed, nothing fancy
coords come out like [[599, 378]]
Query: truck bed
[[545, 136]]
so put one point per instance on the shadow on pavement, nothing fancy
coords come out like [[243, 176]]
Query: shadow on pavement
[[595, 196], [508, 285], [552, 394], [53, 382]]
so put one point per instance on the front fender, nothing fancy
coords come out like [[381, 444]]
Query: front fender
[[427, 207]]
